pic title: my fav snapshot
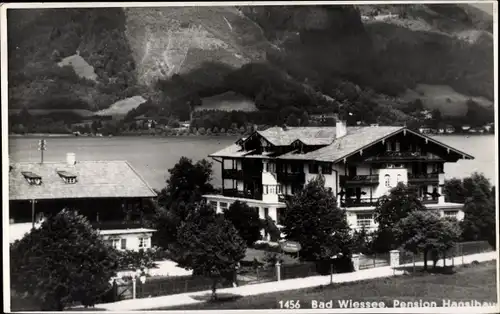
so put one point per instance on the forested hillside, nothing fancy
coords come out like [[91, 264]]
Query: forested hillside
[[291, 60]]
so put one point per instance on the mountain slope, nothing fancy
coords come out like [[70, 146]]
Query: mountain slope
[[364, 59]]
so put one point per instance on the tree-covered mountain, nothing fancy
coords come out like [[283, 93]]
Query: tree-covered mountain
[[365, 60]]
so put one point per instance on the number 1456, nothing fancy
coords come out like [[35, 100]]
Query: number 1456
[[289, 304]]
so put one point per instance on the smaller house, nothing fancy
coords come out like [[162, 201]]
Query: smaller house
[[465, 127], [450, 129], [441, 130], [145, 121], [105, 192], [488, 127], [425, 129], [129, 239]]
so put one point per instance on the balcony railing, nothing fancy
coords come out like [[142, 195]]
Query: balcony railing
[[361, 179], [426, 201], [390, 156], [292, 177], [236, 174], [424, 177], [242, 194], [362, 202]]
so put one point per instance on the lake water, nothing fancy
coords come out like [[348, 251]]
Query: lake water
[[153, 156]]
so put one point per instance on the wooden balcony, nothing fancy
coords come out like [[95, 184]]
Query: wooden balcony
[[426, 201], [291, 177], [402, 156], [241, 194], [423, 178], [362, 202], [359, 180], [235, 174]]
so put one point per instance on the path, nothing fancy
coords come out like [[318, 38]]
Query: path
[[276, 286]]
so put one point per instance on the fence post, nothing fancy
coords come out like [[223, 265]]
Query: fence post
[[134, 287], [278, 270], [394, 258], [355, 261]]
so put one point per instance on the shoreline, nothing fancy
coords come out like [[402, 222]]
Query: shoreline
[[36, 135]]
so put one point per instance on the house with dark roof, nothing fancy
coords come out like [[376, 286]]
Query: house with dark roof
[[106, 192], [359, 164]]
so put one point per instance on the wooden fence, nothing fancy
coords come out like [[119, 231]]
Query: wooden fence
[[374, 260], [459, 250]]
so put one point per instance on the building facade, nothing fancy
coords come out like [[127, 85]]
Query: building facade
[[359, 164], [110, 194]]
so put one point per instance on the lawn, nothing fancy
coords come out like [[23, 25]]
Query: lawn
[[475, 282]]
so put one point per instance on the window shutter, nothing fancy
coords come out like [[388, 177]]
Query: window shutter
[[124, 244]]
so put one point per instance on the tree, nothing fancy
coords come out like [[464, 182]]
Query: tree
[[480, 218], [292, 120], [454, 190], [211, 246], [62, 262], [246, 221], [426, 232], [314, 220], [478, 197], [185, 188], [390, 209]]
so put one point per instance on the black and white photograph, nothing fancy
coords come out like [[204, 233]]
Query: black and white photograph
[[177, 156]]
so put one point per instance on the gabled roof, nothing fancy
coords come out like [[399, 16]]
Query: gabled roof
[[96, 179], [356, 139]]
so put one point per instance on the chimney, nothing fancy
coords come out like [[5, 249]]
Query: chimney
[[340, 128], [70, 159]]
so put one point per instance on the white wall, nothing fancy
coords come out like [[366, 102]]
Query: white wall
[[330, 179], [132, 240], [228, 164], [393, 173], [239, 185], [363, 170]]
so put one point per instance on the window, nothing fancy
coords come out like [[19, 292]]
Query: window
[[114, 243], [387, 181], [364, 220], [326, 168], [271, 167], [123, 244], [313, 168], [451, 214], [213, 204], [295, 168], [398, 178], [398, 146], [143, 242], [388, 146], [223, 205]]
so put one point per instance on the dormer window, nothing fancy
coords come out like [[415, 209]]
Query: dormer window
[[69, 178], [32, 178]]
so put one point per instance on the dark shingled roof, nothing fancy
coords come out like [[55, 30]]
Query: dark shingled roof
[[357, 138], [95, 179]]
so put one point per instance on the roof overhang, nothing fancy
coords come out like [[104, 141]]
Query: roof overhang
[[404, 130]]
